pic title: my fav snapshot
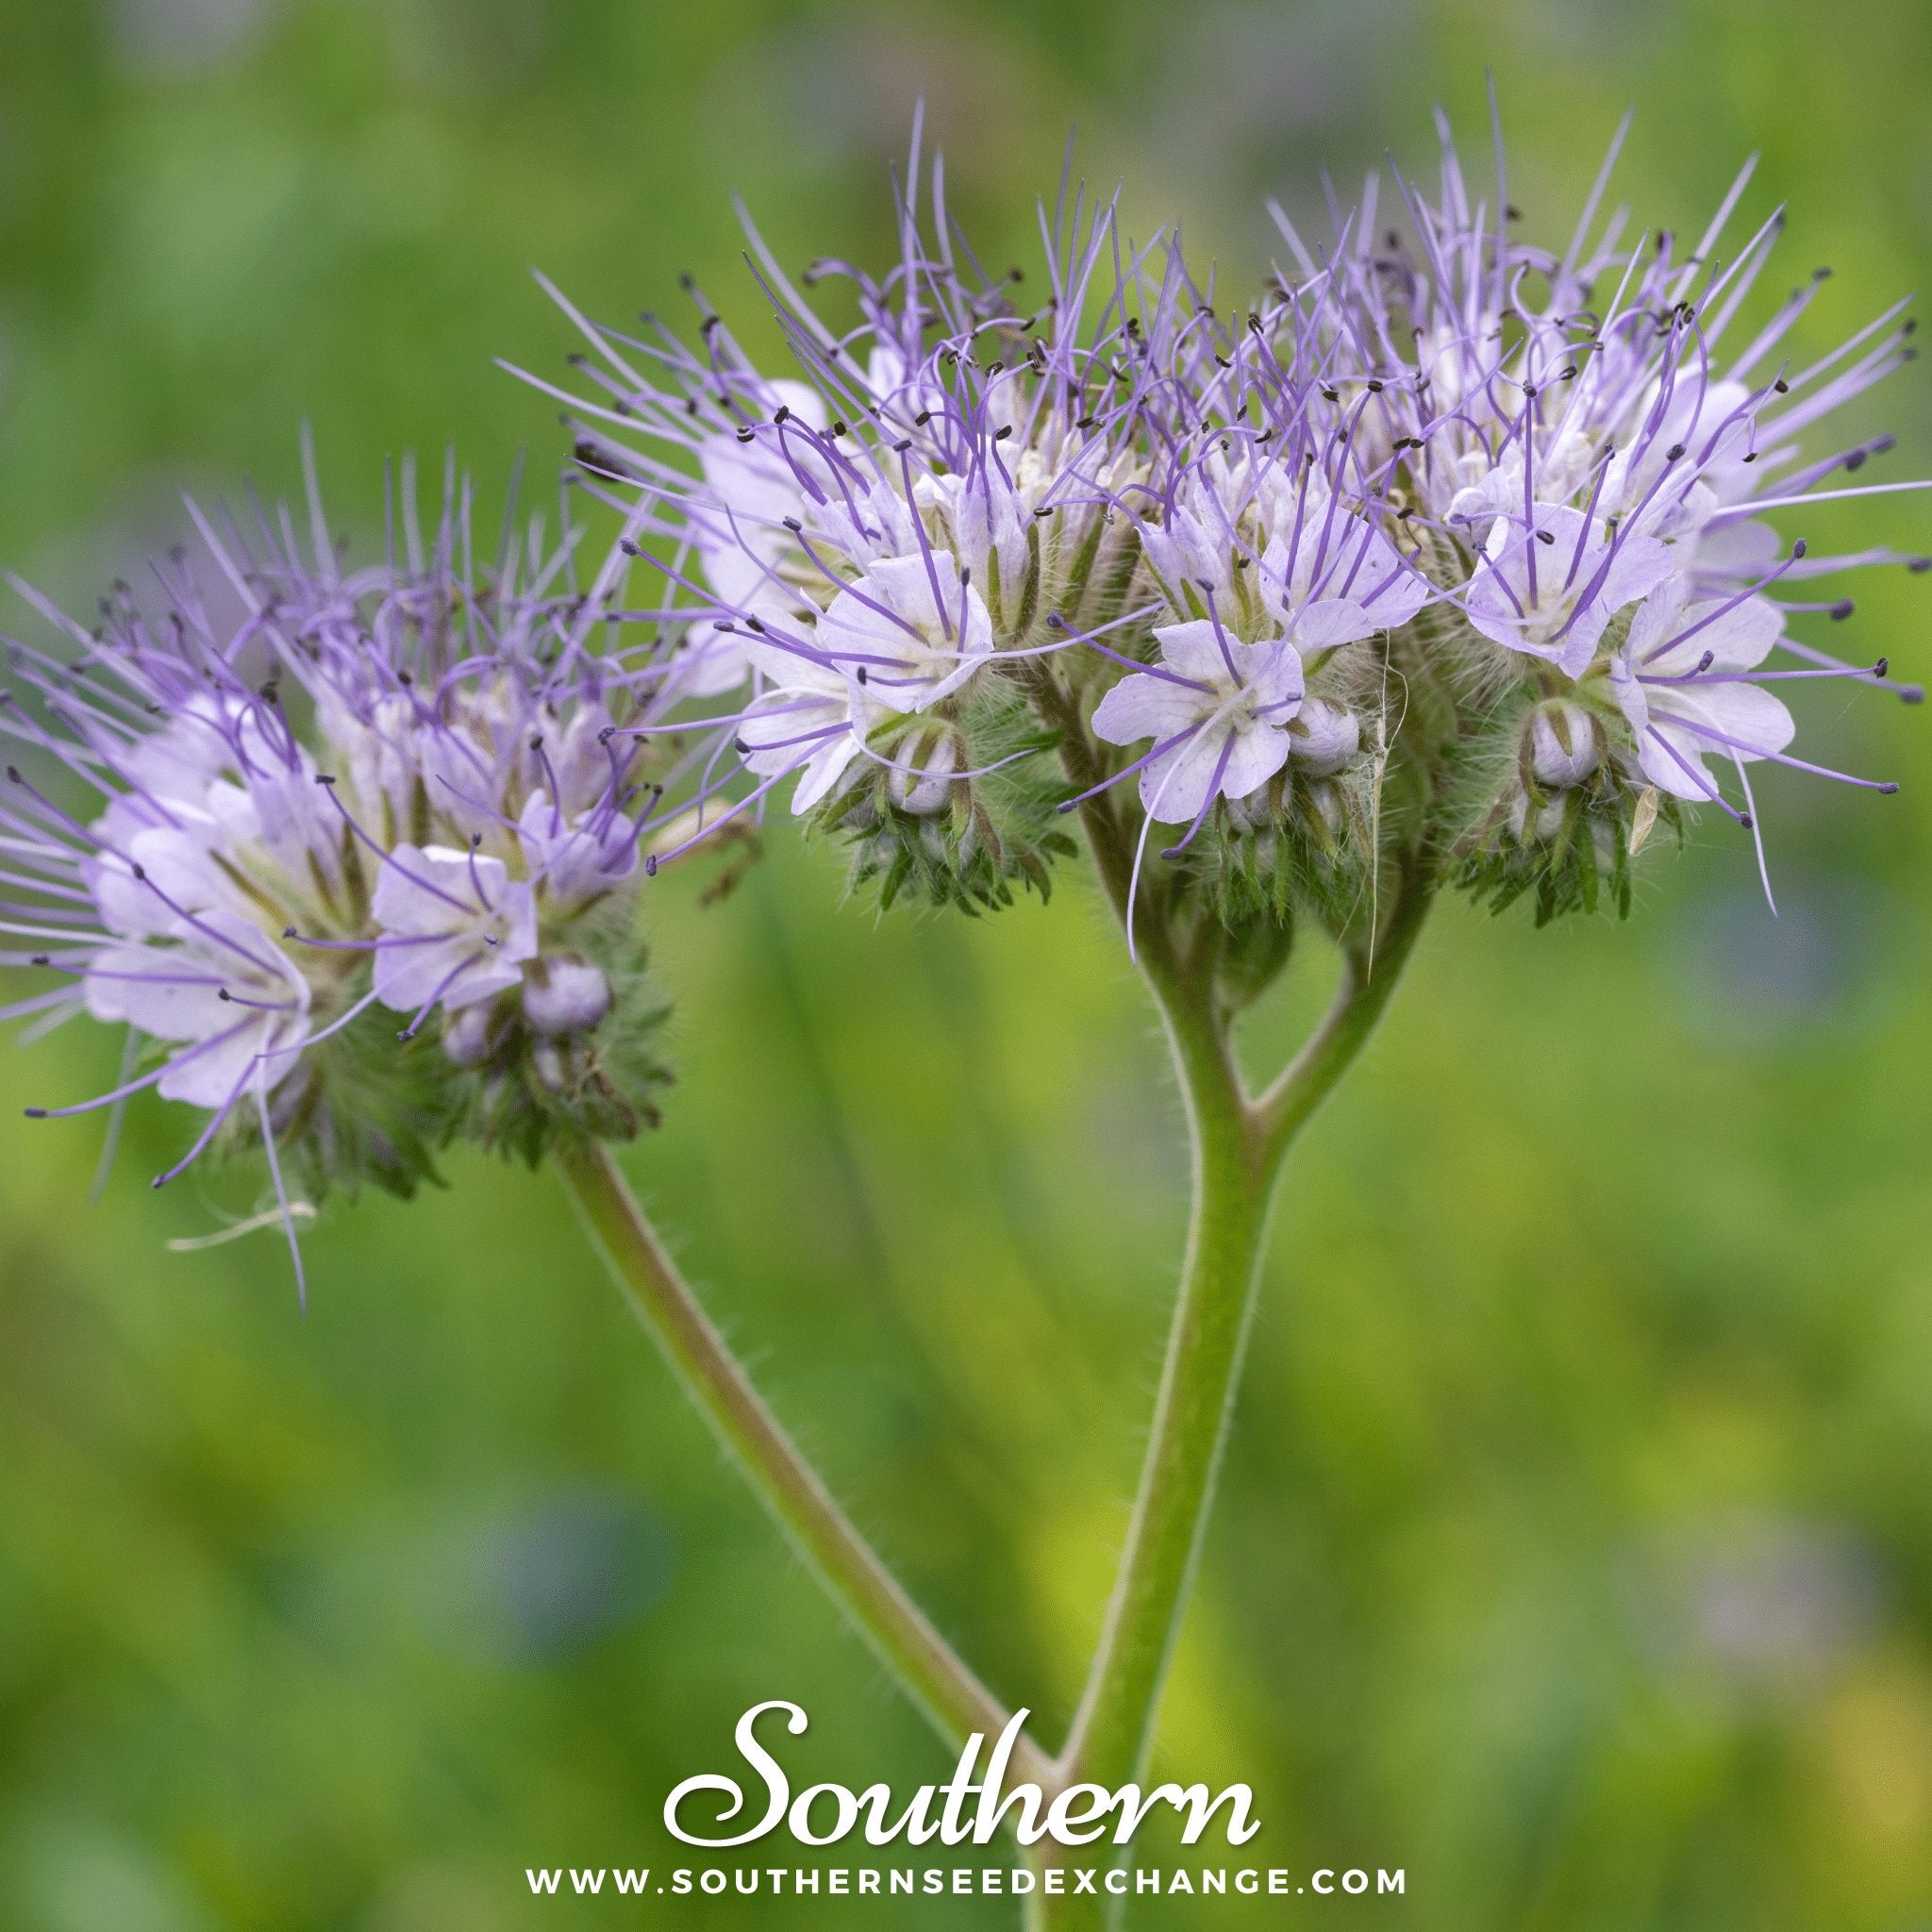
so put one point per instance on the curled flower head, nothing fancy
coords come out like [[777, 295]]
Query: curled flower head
[[358, 867], [873, 557], [1577, 453], [1451, 550]]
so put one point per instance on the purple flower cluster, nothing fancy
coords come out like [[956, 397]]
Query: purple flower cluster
[[401, 788], [1234, 542], [1450, 552]]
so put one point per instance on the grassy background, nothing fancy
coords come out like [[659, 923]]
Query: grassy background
[[1576, 1552]]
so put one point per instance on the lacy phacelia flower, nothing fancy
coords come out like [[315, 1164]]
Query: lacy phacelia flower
[[1570, 451], [1219, 712], [1449, 544], [1451, 557], [876, 557], [405, 789]]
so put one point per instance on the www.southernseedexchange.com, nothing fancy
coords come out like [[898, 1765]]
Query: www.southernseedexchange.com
[[872, 1881]]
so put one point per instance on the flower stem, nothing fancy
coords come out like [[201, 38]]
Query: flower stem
[[1232, 1182], [932, 1673], [1238, 1147]]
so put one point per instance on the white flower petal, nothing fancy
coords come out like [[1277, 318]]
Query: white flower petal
[[1143, 705], [1175, 786]]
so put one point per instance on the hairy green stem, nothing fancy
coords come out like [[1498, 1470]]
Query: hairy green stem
[[1238, 1145], [879, 1609]]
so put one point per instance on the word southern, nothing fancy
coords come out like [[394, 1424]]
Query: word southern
[[824, 1814]]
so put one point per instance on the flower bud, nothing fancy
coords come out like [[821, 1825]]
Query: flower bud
[[1564, 745], [565, 996], [466, 1035], [1322, 737], [921, 780]]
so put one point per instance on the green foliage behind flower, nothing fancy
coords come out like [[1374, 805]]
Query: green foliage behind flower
[[1576, 1555]]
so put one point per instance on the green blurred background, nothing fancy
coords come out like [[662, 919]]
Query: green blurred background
[[1576, 1548]]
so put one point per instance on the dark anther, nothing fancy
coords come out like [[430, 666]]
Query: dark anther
[[1745, 820], [289, 932], [1675, 450], [141, 875], [40, 959], [924, 417], [221, 992], [784, 411], [904, 443], [1005, 430], [1334, 396], [1545, 537], [1514, 212], [792, 525], [1881, 668], [742, 749], [1797, 549], [1374, 389], [744, 432], [1843, 610], [862, 674], [629, 548], [325, 777], [1054, 620], [1782, 386], [1917, 565], [838, 427], [35, 1113]]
